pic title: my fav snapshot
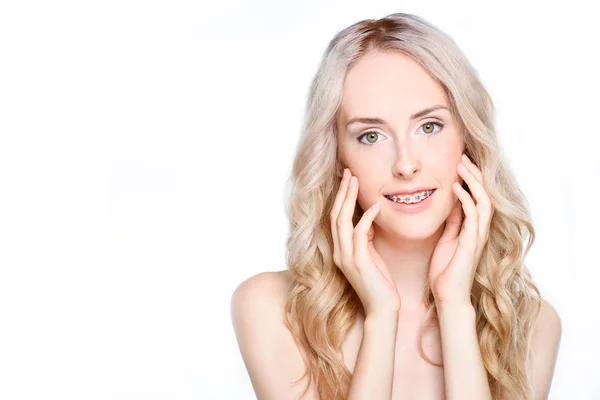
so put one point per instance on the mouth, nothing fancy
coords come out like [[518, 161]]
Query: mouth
[[412, 198]]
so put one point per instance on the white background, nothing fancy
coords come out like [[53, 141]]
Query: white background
[[144, 151]]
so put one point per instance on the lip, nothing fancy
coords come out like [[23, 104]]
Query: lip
[[409, 191], [413, 208]]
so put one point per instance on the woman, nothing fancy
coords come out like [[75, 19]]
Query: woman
[[405, 271]]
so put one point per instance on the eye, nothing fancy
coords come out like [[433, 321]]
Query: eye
[[431, 124], [369, 135], [372, 135]]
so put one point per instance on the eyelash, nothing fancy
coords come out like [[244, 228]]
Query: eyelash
[[439, 124]]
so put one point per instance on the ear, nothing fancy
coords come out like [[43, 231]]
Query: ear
[[339, 167]]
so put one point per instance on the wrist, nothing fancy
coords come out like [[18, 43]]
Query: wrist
[[453, 307], [382, 317]]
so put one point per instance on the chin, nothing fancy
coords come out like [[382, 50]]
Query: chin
[[417, 233], [417, 230]]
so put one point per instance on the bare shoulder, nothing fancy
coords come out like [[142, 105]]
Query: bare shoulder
[[265, 291], [545, 346], [267, 346], [265, 286], [549, 318]]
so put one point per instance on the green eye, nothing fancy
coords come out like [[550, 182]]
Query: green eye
[[431, 124], [425, 126], [371, 137]]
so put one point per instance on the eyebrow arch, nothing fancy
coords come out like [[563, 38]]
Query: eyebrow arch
[[379, 121]]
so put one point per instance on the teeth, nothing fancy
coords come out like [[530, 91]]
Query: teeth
[[414, 198]]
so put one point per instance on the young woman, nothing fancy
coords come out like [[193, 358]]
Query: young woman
[[405, 275]]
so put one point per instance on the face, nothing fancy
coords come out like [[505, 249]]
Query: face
[[401, 151]]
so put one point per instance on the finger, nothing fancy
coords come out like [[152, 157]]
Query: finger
[[472, 168], [453, 223], [364, 251], [364, 248], [360, 236], [471, 221], [475, 186], [345, 225], [379, 262], [484, 204], [337, 205], [341, 194]]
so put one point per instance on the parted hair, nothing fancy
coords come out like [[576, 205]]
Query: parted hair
[[321, 305]]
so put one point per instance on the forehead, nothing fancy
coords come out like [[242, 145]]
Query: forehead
[[388, 85]]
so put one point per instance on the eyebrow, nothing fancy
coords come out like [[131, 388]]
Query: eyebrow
[[379, 121]]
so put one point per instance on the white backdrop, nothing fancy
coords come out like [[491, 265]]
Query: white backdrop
[[144, 149]]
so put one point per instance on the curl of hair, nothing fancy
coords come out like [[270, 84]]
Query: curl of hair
[[321, 305]]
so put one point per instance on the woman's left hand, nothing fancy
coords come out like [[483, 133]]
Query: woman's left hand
[[458, 251]]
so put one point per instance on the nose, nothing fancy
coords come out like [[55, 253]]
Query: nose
[[407, 164]]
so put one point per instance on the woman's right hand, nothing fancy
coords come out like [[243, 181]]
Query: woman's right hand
[[354, 254]]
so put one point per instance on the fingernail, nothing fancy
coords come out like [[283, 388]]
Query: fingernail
[[375, 206], [352, 181]]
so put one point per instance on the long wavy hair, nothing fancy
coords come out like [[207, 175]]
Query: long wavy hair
[[321, 305]]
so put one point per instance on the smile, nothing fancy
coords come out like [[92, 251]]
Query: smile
[[411, 199]]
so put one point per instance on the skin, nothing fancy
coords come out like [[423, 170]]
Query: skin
[[399, 154], [442, 245]]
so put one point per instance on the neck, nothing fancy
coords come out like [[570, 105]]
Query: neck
[[408, 262]]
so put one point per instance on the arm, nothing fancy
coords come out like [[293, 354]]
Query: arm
[[374, 369], [545, 344], [267, 347], [274, 361], [461, 352]]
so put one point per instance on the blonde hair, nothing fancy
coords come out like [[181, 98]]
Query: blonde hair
[[321, 304]]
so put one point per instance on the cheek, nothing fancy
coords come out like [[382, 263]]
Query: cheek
[[369, 184], [448, 145], [443, 157], [445, 174], [443, 167], [368, 193]]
